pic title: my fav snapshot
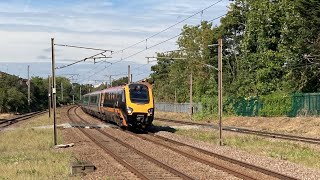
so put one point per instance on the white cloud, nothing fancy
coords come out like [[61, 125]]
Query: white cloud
[[27, 26]]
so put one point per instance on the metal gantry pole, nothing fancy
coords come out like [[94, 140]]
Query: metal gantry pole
[[220, 105], [80, 94], [175, 100], [49, 96], [29, 84], [110, 81], [61, 91], [72, 94], [54, 93], [191, 103], [129, 75]]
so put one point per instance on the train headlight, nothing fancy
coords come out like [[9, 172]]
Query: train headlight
[[130, 110], [150, 111]]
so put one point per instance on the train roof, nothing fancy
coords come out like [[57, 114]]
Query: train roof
[[116, 88], [106, 90], [113, 88]]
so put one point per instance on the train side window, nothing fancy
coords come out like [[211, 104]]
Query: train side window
[[93, 99], [105, 99], [123, 96]]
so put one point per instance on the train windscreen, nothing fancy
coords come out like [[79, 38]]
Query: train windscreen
[[139, 93]]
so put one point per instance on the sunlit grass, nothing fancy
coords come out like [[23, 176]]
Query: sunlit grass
[[41, 120], [28, 153], [284, 150]]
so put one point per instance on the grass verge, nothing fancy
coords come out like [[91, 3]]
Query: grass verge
[[293, 152], [27, 153]]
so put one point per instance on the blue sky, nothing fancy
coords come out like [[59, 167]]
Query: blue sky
[[26, 27]]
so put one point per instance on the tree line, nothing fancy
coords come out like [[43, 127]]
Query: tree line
[[14, 92], [269, 47]]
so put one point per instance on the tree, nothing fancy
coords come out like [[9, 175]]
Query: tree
[[267, 47], [120, 81], [3, 100], [16, 99]]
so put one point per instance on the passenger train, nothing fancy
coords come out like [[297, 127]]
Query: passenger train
[[130, 105]]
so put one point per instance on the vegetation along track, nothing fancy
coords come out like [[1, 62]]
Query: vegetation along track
[[9, 122], [232, 166], [248, 131], [139, 163]]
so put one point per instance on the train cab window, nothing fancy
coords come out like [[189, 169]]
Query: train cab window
[[139, 93]]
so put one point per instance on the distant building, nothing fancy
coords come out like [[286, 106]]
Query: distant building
[[23, 82]]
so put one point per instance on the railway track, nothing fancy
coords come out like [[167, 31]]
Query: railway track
[[139, 163], [232, 166], [9, 122], [224, 163], [248, 131]]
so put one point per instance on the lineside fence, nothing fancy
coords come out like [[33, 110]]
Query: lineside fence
[[307, 104], [178, 107]]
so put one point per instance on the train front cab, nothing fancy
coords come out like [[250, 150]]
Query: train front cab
[[140, 104]]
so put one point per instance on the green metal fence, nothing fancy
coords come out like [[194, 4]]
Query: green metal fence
[[307, 104], [246, 106]]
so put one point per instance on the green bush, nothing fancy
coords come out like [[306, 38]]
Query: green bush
[[275, 104]]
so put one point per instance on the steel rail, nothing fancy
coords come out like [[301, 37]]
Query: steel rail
[[212, 164], [12, 121], [228, 159], [218, 156], [116, 157], [19, 117], [249, 131], [149, 158], [201, 160]]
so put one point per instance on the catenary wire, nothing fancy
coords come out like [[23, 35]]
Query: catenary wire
[[144, 40], [144, 50]]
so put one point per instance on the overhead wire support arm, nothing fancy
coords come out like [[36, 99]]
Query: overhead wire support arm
[[91, 57], [82, 47], [170, 58]]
